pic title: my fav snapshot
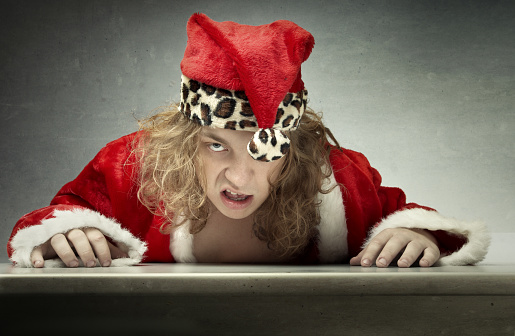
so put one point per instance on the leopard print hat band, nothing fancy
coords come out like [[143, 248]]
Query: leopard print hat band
[[244, 77], [220, 108]]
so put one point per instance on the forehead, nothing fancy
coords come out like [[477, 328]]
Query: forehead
[[226, 135]]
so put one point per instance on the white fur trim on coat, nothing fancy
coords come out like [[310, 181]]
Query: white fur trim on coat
[[476, 233], [63, 221], [332, 238], [181, 243], [332, 230]]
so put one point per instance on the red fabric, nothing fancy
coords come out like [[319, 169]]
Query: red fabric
[[107, 185], [264, 61], [366, 201], [448, 243]]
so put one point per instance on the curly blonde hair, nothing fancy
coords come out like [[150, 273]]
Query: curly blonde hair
[[171, 180]]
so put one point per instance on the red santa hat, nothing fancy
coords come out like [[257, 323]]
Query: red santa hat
[[245, 77]]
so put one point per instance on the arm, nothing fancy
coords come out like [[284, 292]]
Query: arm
[[377, 218], [459, 242], [99, 199]]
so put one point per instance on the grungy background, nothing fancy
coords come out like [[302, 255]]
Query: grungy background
[[425, 89]]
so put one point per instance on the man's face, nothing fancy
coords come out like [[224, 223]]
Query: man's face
[[237, 185]]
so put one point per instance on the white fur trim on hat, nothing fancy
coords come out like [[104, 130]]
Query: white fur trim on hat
[[332, 238], [476, 233], [25, 240], [229, 109]]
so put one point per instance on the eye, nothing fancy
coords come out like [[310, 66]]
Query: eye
[[216, 147]]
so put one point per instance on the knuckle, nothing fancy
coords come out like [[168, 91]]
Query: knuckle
[[67, 254], [95, 236], [388, 231], [375, 243], [56, 239], [391, 232], [74, 234], [388, 254], [416, 245], [86, 255]]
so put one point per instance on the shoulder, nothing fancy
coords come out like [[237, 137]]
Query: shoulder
[[340, 154], [347, 163], [126, 142], [116, 158], [119, 149]]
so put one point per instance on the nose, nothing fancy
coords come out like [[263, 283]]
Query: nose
[[240, 170]]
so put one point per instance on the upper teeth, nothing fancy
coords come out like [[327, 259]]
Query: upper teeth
[[230, 192]]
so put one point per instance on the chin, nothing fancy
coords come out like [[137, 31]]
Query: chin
[[236, 214]]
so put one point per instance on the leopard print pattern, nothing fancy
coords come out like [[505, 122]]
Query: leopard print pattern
[[268, 145], [215, 107]]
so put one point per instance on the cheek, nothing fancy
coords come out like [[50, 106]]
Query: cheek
[[207, 172]]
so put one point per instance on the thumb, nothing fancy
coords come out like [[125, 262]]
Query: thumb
[[40, 253], [36, 257]]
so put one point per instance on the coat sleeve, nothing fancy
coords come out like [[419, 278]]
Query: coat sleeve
[[371, 208], [103, 197]]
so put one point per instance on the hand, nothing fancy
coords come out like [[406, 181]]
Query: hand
[[87, 243], [410, 244]]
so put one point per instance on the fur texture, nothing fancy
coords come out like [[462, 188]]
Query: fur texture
[[264, 61], [332, 239], [63, 221], [347, 214], [229, 109], [476, 233], [181, 243]]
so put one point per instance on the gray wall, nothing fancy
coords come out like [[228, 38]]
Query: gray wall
[[424, 88]]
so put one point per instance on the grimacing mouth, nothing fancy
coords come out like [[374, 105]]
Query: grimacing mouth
[[235, 196]]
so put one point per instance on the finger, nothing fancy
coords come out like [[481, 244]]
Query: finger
[[356, 261], [63, 249], [116, 252], [99, 244], [391, 250], [431, 255], [412, 252], [36, 257], [80, 242], [375, 247]]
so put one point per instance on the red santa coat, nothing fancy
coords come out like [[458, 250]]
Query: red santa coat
[[104, 196]]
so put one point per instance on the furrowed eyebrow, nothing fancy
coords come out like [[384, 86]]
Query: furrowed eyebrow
[[212, 136]]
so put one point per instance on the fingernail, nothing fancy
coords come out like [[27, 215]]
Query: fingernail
[[38, 263], [73, 263], [381, 262], [403, 262], [106, 263], [365, 262], [91, 263]]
